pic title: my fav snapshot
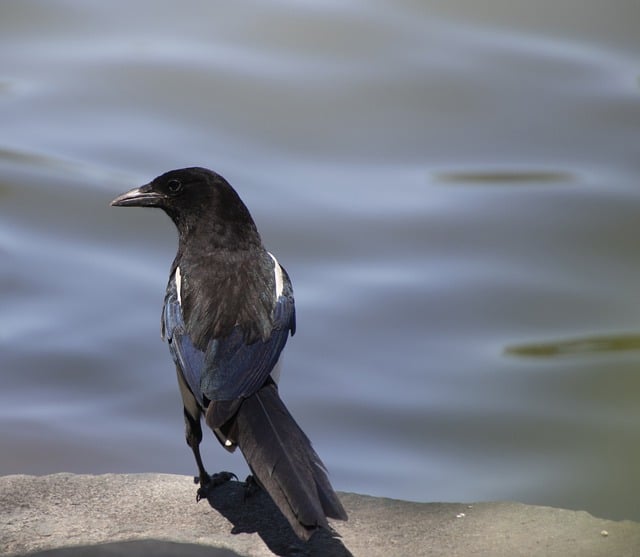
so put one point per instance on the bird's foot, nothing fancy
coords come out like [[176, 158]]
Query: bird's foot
[[209, 482], [251, 487]]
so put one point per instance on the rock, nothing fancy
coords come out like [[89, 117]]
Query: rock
[[67, 515]]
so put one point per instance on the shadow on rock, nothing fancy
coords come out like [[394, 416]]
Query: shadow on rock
[[259, 514], [140, 548]]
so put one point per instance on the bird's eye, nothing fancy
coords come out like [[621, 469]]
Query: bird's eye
[[174, 186]]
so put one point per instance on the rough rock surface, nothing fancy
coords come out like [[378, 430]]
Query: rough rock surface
[[155, 514]]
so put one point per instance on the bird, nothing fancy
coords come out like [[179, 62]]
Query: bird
[[228, 313]]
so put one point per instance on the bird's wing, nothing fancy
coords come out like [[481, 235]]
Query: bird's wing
[[186, 356], [230, 369]]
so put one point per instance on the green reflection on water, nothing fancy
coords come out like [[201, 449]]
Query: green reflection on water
[[23, 157], [577, 346], [504, 177]]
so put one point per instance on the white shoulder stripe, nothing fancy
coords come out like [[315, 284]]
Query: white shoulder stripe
[[279, 279], [178, 278]]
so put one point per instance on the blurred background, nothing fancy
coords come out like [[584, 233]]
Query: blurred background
[[453, 188]]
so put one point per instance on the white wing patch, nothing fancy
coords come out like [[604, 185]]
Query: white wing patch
[[178, 278], [279, 279]]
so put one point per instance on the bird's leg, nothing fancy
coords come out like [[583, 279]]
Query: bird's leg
[[207, 481], [193, 434]]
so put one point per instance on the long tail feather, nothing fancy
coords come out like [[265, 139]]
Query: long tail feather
[[284, 462]]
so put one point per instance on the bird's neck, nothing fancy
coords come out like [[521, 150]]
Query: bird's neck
[[209, 237]]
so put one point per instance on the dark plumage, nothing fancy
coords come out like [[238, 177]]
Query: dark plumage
[[228, 312]]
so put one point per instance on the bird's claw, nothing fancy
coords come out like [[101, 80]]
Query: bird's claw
[[251, 487], [208, 484]]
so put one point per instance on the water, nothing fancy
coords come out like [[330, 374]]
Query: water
[[453, 191]]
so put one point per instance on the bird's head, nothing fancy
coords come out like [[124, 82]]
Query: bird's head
[[197, 200]]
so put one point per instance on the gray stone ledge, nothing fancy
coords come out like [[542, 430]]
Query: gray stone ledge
[[67, 515]]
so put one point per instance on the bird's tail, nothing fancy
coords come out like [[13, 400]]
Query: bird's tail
[[283, 461]]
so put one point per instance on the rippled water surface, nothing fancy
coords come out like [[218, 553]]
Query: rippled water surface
[[455, 193]]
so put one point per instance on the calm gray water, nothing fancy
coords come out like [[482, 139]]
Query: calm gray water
[[455, 192]]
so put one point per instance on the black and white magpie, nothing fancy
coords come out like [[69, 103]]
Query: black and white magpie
[[228, 312]]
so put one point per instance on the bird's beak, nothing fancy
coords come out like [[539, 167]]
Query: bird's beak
[[144, 196]]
